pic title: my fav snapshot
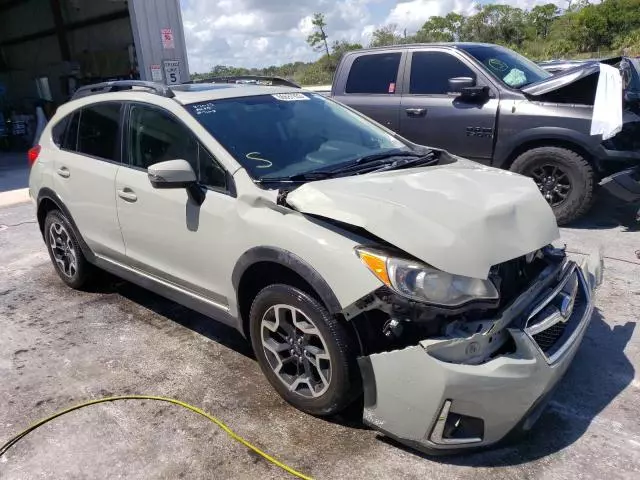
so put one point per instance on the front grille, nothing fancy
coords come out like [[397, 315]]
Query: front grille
[[548, 338], [555, 320]]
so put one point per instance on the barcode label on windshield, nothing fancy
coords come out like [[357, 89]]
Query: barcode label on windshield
[[290, 97]]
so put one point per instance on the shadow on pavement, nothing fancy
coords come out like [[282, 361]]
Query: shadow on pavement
[[607, 213], [599, 373], [213, 330]]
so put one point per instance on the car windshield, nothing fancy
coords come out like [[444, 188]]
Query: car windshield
[[509, 67], [288, 134]]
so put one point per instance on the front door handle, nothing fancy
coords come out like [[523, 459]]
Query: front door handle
[[63, 172], [127, 195], [416, 112]]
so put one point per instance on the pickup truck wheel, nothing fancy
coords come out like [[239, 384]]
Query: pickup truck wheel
[[565, 179], [305, 353], [64, 250]]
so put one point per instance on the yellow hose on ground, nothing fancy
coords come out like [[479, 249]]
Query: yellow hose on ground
[[231, 433]]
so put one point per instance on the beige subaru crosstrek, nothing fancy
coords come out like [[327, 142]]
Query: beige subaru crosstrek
[[359, 265]]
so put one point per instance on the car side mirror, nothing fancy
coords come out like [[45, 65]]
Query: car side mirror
[[176, 174], [171, 174]]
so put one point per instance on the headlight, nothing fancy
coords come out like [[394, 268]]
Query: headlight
[[423, 283]]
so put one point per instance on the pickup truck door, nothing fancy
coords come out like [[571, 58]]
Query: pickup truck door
[[429, 115], [369, 83]]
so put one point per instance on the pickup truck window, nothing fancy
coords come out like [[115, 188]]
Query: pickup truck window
[[375, 73], [509, 67], [281, 135], [431, 71]]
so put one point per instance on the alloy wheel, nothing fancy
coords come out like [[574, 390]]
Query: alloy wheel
[[63, 249], [296, 350], [553, 182]]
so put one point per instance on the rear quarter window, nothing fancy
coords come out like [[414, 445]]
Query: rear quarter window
[[98, 131], [375, 73], [59, 130]]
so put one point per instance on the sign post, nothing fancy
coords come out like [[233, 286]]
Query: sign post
[[172, 71]]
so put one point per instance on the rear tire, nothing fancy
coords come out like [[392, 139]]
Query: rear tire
[[65, 252], [305, 353], [564, 177]]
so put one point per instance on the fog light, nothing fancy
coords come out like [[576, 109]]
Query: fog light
[[456, 429]]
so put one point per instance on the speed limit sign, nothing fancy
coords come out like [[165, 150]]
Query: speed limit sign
[[172, 71]]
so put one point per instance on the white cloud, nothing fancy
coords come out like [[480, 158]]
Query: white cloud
[[259, 33], [412, 14]]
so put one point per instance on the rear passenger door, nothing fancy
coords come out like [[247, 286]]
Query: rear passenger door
[[430, 115], [166, 233], [371, 86], [85, 172]]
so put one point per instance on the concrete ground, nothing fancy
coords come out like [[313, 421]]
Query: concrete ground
[[59, 347]]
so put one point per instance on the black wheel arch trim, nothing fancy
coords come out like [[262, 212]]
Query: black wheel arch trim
[[291, 261], [505, 151], [48, 194]]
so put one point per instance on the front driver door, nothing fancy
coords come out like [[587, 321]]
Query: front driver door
[[429, 115], [166, 234]]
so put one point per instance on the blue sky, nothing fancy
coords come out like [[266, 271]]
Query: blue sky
[[258, 33]]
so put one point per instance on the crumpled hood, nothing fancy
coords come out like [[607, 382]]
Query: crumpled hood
[[462, 218], [563, 79]]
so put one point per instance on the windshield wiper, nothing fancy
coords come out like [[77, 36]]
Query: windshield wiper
[[298, 177], [384, 155], [424, 161], [369, 162]]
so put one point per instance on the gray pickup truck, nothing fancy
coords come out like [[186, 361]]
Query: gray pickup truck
[[492, 105]]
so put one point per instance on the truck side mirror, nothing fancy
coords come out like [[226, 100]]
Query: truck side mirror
[[466, 88], [456, 85]]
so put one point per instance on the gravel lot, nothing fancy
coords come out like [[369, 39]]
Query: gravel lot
[[59, 347]]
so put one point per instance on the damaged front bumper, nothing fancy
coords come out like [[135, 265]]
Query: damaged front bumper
[[429, 398]]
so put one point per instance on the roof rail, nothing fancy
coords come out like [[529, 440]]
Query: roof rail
[[251, 80], [120, 85]]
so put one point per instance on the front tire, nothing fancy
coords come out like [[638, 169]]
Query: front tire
[[564, 178], [64, 250], [305, 353]]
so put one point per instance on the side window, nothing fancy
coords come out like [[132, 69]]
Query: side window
[[376, 73], [70, 141], [431, 71], [59, 130], [98, 131], [155, 136]]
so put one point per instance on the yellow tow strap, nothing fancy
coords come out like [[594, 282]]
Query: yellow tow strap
[[220, 424]]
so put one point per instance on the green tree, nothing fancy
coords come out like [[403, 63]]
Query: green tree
[[386, 35], [318, 39], [541, 17], [441, 29], [340, 47]]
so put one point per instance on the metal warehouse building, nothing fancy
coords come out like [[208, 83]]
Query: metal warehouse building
[[49, 48]]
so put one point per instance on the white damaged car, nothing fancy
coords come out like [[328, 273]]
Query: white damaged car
[[357, 263]]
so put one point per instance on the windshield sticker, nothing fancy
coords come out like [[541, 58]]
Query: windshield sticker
[[254, 156], [291, 97], [392, 87], [201, 108], [498, 65]]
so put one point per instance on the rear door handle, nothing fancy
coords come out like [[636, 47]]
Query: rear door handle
[[63, 172], [127, 195], [416, 112]]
